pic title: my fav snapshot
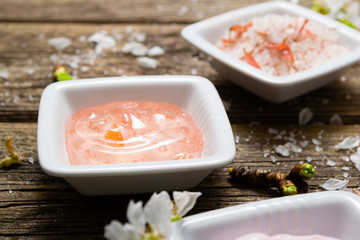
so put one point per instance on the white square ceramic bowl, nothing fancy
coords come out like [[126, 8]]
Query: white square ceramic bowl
[[206, 34], [333, 214], [196, 95]]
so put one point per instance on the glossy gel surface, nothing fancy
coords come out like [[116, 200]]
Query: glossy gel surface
[[128, 132]]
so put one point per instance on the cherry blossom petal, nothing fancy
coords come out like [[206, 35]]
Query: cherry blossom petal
[[185, 201], [117, 231], [135, 215], [158, 212]]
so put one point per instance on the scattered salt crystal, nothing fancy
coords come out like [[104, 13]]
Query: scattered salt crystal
[[334, 184], [139, 52], [316, 141], [345, 158], [31, 99], [59, 43], [10, 191], [355, 158], [31, 160], [237, 139], [343, 78], [266, 153], [273, 158], [16, 99], [345, 174], [30, 71], [84, 69], [146, 62], [318, 149], [282, 150], [305, 115], [183, 10], [155, 51], [331, 163], [117, 34], [309, 159], [120, 71], [135, 48], [295, 148], [103, 40], [273, 131], [129, 29], [345, 168], [193, 71], [4, 74], [304, 143], [137, 36], [336, 120], [82, 38], [349, 143]]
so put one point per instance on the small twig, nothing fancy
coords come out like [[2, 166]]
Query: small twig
[[13, 157]]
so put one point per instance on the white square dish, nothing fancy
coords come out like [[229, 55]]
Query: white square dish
[[196, 95], [207, 33], [333, 214]]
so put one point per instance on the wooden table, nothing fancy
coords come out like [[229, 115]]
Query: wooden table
[[34, 205]]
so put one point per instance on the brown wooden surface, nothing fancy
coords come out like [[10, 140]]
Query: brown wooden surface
[[34, 205]]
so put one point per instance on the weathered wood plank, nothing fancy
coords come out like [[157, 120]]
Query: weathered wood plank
[[34, 205], [28, 59], [92, 11]]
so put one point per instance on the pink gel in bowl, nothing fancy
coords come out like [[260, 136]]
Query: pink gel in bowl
[[128, 132]]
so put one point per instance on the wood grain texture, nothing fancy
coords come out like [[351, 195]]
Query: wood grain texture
[[116, 11], [34, 205], [29, 60]]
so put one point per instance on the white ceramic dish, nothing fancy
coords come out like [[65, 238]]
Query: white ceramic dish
[[196, 95], [334, 214], [207, 33]]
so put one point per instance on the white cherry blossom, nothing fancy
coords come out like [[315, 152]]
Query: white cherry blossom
[[154, 219]]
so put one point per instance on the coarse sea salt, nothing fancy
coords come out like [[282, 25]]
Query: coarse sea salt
[[349, 143], [336, 120], [103, 40], [155, 51], [282, 150], [305, 115], [281, 45], [334, 184], [4, 74], [148, 63], [331, 163], [59, 43]]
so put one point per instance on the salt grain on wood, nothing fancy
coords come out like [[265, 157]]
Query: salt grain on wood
[[305, 115], [336, 120], [155, 51], [148, 63], [334, 184], [59, 43], [349, 143]]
